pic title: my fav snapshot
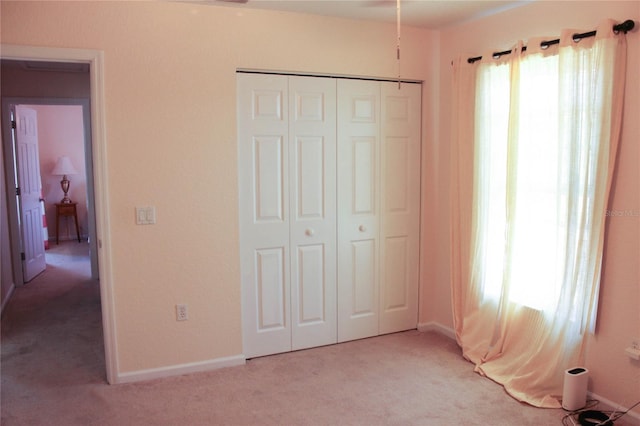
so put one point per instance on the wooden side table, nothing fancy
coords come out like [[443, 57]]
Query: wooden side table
[[66, 209]]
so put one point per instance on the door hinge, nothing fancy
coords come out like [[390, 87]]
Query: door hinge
[[17, 191], [13, 124], [22, 256]]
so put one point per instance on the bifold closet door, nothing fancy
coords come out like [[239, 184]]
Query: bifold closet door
[[378, 207], [358, 208], [312, 159], [263, 179], [400, 206], [329, 197], [286, 137]]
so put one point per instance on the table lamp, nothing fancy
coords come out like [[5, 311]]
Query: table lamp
[[64, 167]]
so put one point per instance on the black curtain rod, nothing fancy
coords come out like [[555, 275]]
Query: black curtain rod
[[624, 27]]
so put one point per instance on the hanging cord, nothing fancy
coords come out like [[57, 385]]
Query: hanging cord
[[398, 39]]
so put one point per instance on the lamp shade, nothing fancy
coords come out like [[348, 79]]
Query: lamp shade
[[64, 167]]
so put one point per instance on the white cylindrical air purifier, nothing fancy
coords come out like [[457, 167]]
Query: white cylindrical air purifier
[[574, 392]]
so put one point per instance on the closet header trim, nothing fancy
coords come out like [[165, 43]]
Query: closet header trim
[[342, 76]]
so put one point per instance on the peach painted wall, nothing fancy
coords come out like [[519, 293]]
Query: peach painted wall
[[170, 90], [613, 375], [61, 132]]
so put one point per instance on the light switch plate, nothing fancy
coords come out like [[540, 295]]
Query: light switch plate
[[151, 215], [145, 215]]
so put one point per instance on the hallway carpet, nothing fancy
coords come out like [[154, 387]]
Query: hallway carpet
[[53, 374]]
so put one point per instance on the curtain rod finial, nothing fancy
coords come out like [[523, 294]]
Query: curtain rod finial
[[626, 26]]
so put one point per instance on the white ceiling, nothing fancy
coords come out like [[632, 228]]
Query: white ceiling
[[432, 14]]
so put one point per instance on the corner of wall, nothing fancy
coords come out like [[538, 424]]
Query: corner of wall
[[438, 328]]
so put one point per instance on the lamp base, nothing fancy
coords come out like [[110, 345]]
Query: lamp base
[[64, 184]]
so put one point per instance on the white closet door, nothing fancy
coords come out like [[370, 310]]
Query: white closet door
[[329, 184], [263, 179], [312, 159], [400, 206], [358, 208]]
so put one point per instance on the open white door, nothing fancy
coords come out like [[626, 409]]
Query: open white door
[[29, 184]]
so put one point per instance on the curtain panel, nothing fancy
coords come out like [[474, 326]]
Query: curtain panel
[[534, 142]]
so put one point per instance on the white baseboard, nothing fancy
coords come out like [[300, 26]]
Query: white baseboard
[[438, 328], [178, 370], [608, 405]]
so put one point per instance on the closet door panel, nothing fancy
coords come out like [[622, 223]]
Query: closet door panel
[[363, 176], [263, 179], [395, 295], [363, 254], [311, 179], [312, 285], [358, 210], [268, 172], [400, 206], [312, 129], [270, 276]]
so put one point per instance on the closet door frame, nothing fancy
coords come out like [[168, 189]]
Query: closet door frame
[[338, 265]]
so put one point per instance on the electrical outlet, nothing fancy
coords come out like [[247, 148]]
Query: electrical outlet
[[182, 313]]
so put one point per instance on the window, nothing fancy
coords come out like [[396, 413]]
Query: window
[[534, 141], [520, 182]]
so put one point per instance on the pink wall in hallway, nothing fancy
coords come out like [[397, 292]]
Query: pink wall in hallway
[[61, 132]]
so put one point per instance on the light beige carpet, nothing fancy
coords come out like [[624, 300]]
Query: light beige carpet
[[53, 374]]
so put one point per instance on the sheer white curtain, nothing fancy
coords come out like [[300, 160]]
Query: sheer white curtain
[[535, 138]]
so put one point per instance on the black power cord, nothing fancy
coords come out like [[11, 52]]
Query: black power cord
[[594, 418], [588, 417]]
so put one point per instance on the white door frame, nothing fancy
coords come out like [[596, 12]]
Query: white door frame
[[95, 59]]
